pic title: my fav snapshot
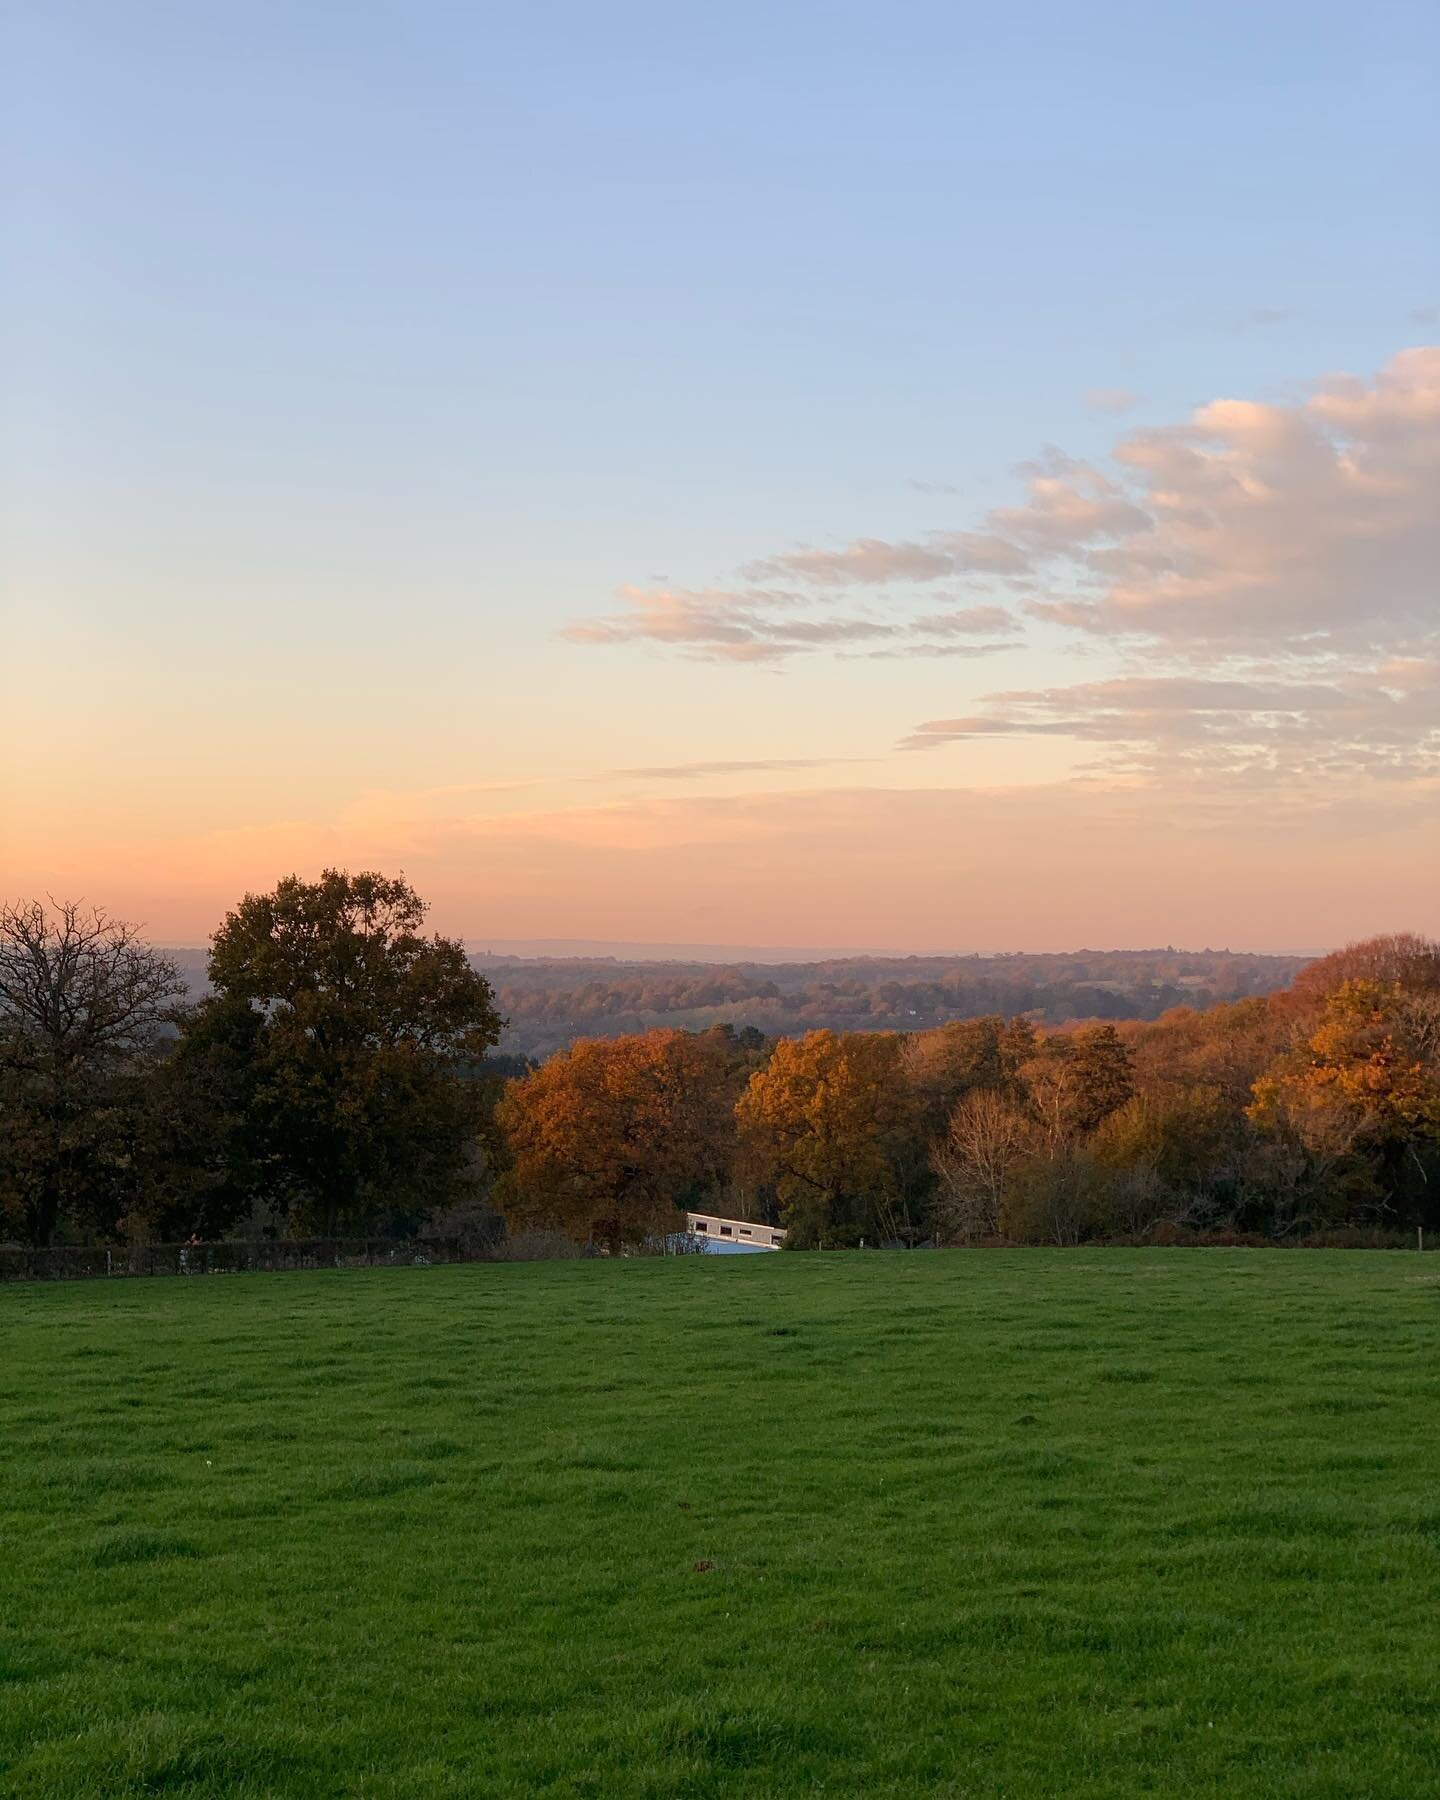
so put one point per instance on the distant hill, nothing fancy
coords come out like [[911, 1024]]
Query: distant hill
[[191, 964], [620, 950], [552, 1000]]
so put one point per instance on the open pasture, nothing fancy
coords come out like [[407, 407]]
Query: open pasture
[[1081, 1523]]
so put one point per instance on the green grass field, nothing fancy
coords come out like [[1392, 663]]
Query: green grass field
[[1004, 1523]]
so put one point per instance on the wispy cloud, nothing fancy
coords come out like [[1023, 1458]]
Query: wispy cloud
[[697, 771], [1070, 506], [723, 624], [967, 621], [1384, 723], [769, 625], [1284, 541], [925, 649], [872, 562]]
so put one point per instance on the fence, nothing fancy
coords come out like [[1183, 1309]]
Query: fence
[[78, 1262], [75, 1262]]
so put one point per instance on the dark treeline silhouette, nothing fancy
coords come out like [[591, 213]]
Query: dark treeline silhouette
[[340, 1076], [332, 1081]]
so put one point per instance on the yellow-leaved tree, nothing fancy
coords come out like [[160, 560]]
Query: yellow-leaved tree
[[830, 1125], [1361, 1094]]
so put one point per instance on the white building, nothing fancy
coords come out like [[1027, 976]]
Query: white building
[[738, 1234]]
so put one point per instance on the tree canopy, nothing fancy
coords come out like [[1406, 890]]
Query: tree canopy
[[339, 1078], [609, 1138], [347, 1036], [83, 1002], [829, 1120]]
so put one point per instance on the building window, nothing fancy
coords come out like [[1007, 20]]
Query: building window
[[701, 1225], [744, 1231], [777, 1242], [725, 1231]]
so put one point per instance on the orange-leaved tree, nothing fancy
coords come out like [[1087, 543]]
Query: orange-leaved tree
[[1362, 1093], [608, 1139]]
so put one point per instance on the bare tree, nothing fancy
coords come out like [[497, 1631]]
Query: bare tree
[[986, 1134], [82, 997]]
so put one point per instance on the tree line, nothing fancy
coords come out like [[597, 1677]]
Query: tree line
[[550, 1001], [332, 1081], [341, 1078]]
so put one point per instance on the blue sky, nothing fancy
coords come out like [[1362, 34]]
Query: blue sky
[[357, 351]]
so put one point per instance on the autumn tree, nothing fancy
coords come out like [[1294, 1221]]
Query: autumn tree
[[1400, 959], [1102, 1077], [987, 1134], [1016, 1045], [1221, 1051], [346, 1037], [607, 1140], [1362, 1094], [945, 1064], [1054, 1196], [1175, 1137], [1076, 1081], [83, 1006], [831, 1122], [1167, 1156]]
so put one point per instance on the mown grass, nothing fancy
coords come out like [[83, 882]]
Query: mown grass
[[1005, 1523]]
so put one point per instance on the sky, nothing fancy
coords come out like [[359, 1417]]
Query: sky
[[925, 477]]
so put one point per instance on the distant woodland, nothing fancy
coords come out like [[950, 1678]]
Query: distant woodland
[[346, 1073], [550, 1003]]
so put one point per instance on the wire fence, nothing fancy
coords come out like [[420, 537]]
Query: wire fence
[[75, 1262]]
